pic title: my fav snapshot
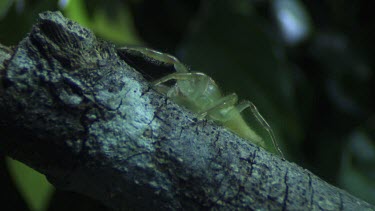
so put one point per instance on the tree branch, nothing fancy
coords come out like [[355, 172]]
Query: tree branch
[[74, 110]]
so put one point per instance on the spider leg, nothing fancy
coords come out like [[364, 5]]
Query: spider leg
[[162, 57], [248, 104], [224, 103], [177, 76], [225, 111]]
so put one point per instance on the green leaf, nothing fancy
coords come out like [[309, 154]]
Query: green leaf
[[76, 11], [357, 173], [117, 26], [32, 185], [4, 7], [119, 29]]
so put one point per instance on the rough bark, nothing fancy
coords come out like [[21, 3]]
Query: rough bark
[[72, 109]]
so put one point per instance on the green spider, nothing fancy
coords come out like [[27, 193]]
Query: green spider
[[200, 94]]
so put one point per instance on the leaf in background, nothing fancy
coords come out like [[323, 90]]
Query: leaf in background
[[119, 29], [117, 26], [293, 20], [11, 198], [76, 11], [32, 185], [20, 18], [4, 7], [357, 173]]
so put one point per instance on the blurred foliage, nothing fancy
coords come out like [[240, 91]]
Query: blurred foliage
[[307, 65], [32, 185]]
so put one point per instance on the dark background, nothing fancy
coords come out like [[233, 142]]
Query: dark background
[[307, 65]]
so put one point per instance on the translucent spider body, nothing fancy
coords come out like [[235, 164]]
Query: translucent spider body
[[199, 93]]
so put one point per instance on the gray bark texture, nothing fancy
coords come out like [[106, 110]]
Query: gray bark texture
[[72, 109]]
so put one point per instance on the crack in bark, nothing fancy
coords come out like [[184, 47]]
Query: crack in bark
[[252, 161], [284, 206], [341, 206], [311, 188]]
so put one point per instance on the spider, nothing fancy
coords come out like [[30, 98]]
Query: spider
[[199, 93]]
